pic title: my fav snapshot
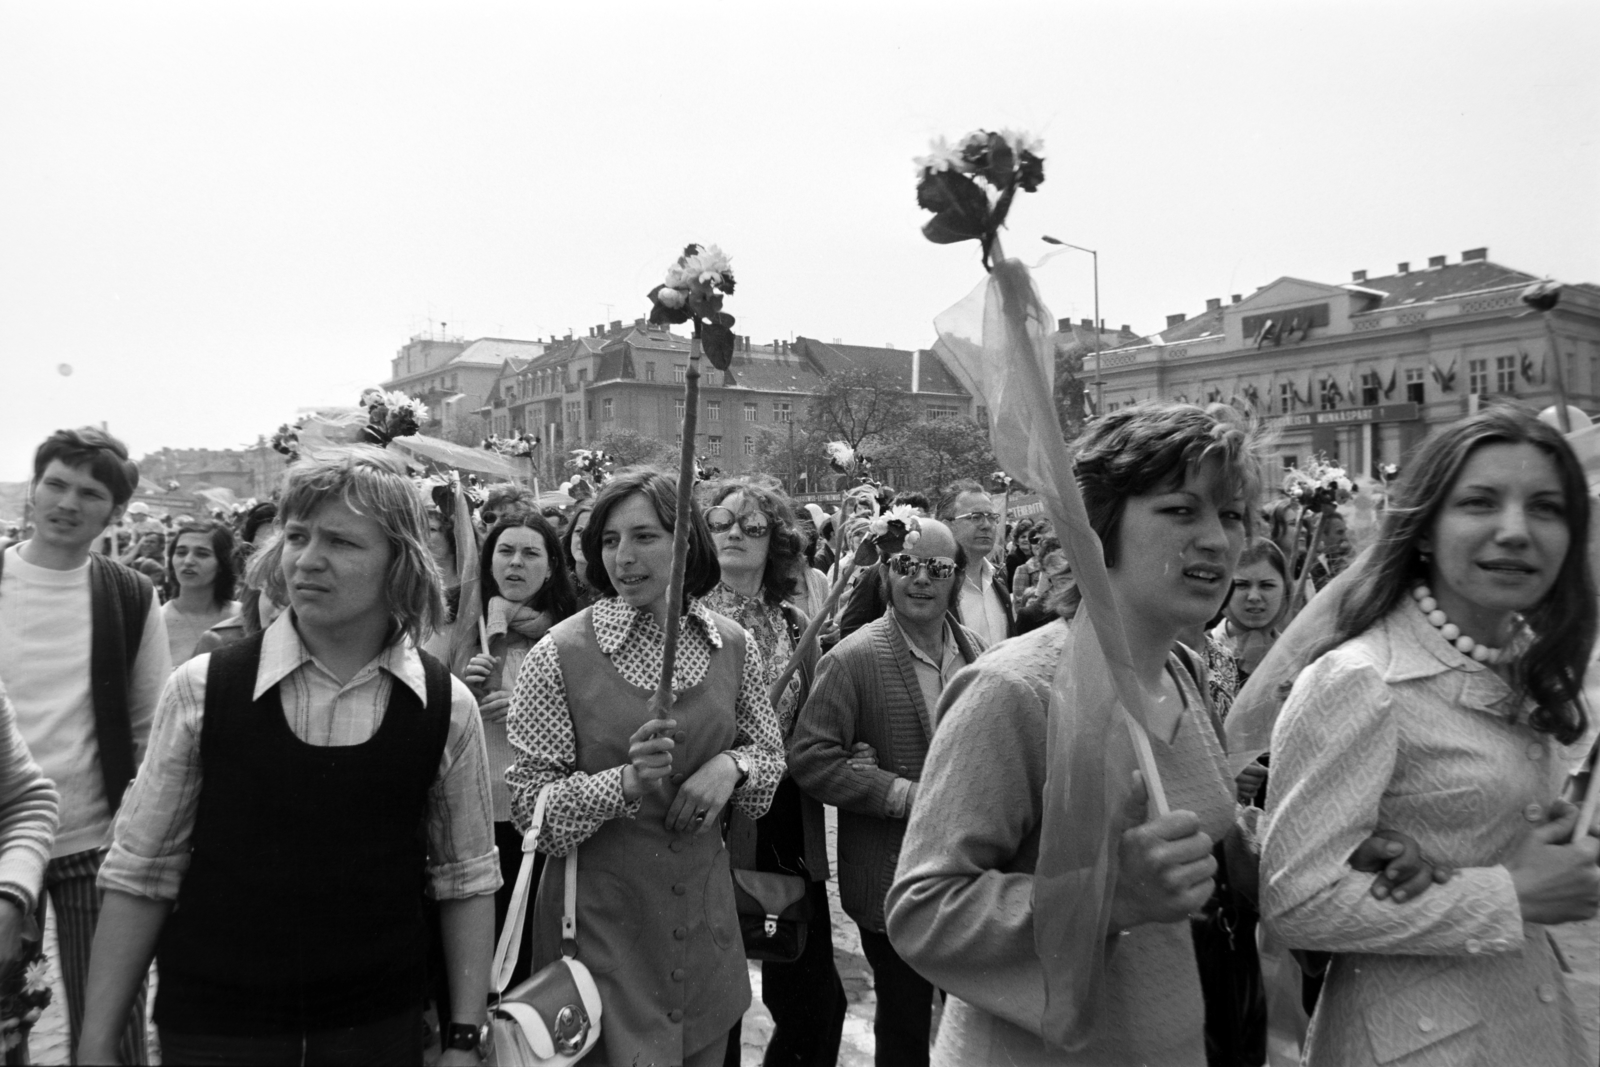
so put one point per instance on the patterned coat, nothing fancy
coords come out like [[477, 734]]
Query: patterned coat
[[1397, 729]]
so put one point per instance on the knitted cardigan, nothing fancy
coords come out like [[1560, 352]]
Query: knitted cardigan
[[866, 690]]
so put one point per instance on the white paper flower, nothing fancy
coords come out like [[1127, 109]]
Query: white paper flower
[[37, 977], [1023, 141], [940, 157], [671, 297]]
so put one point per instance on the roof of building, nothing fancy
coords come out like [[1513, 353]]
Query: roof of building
[[494, 351], [838, 358], [1454, 279]]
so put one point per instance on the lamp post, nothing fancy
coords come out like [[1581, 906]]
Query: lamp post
[[1099, 382]]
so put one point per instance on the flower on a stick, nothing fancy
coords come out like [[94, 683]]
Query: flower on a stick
[[948, 184], [692, 293]]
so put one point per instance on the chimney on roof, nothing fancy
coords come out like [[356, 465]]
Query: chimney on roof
[[1474, 254], [1173, 320], [1403, 268], [1087, 324], [1126, 328], [1238, 298], [1214, 304], [1063, 326], [616, 325], [1436, 261], [641, 324], [1358, 275]]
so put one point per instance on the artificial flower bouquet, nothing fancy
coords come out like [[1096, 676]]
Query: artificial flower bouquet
[[692, 293]]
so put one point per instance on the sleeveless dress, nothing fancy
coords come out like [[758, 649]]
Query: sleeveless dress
[[656, 918]]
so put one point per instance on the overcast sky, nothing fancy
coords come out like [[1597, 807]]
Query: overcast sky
[[218, 213]]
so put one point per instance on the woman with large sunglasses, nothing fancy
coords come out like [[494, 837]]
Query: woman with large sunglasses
[[757, 549]]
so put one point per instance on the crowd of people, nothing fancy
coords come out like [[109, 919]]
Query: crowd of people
[[294, 759]]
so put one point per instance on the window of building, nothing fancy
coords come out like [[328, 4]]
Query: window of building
[[782, 411], [713, 410], [727, 377], [942, 411], [679, 373], [714, 444], [1505, 374], [1291, 461], [1416, 385], [677, 441], [1327, 395], [750, 413], [588, 410], [583, 374], [1371, 389], [573, 412], [605, 409], [649, 372], [677, 409], [749, 445], [1285, 397], [1478, 376], [983, 415]]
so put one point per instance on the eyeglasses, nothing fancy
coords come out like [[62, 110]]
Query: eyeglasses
[[906, 565], [721, 520], [990, 517]]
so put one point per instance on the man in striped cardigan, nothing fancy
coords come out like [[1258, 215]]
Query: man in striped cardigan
[[859, 744]]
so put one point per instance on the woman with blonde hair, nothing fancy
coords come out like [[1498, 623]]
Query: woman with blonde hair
[[269, 854]]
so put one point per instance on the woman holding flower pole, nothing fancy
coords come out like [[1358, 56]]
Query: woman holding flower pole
[[637, 799], [757, 547]]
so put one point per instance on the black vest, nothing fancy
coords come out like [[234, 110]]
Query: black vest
[[302, 906]]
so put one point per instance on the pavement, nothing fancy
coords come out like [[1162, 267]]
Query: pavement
[[1579, 942]]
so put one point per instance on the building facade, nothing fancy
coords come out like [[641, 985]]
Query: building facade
[[1364, 370], [453, 376]]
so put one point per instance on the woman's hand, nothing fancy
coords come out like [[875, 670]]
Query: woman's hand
[[1164, 866], [1556, 882], [649, 758], [1403, 871], [1249, 782], [495, 706], [863, 757], [478, 670], [699, 802]]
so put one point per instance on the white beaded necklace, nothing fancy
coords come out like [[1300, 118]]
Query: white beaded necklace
[[1451, 632]]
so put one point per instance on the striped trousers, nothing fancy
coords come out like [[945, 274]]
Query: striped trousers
[[69, 886]]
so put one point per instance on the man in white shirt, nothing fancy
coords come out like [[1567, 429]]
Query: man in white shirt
[[83, 654], [976, 523]]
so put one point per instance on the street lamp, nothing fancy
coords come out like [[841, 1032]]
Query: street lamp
[[1099, 382]]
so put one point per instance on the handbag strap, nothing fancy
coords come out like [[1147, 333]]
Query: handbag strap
[[510, 946]]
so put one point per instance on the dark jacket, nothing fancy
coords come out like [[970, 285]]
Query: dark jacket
[[866, 690]]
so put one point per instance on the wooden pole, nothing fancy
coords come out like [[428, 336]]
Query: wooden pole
[[1559, 372], [813, 628], [661, 703]]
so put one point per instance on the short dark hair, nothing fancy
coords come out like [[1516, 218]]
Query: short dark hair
[[103, 456], [1137, 449], [555, 595], [779, 579], [258, 516], [915, 499], [586, 504], [953, 492], [221, 547], [701, 572]]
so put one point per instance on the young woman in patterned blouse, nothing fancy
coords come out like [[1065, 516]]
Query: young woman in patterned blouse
[[639, 798]]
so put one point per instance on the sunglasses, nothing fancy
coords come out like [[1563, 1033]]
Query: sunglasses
[[721, 520], [907, 565], [990, 517]]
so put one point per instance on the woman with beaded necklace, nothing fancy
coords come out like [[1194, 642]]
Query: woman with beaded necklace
[[1439, 708]]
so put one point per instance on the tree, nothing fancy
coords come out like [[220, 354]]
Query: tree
[[800, 457], [630, 448], [927, 455], [859, 406], [1070, 387], [469, 430]]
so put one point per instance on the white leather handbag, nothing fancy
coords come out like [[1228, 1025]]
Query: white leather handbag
[[553, 1018]]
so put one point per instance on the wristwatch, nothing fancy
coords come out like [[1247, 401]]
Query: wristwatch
[[741, 764], [468, 1037]]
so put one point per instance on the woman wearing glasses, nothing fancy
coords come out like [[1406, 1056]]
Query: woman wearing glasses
[[757, 548], [860, 744], [636, 800]]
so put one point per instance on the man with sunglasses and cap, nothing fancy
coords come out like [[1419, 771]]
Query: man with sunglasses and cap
[[860, 742]]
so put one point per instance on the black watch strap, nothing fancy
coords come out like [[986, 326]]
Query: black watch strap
[[465, 1036]]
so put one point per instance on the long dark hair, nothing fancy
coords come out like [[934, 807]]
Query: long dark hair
[[701, 572], [1550, 672], [778, 580], [555, 595], [221, 547]]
